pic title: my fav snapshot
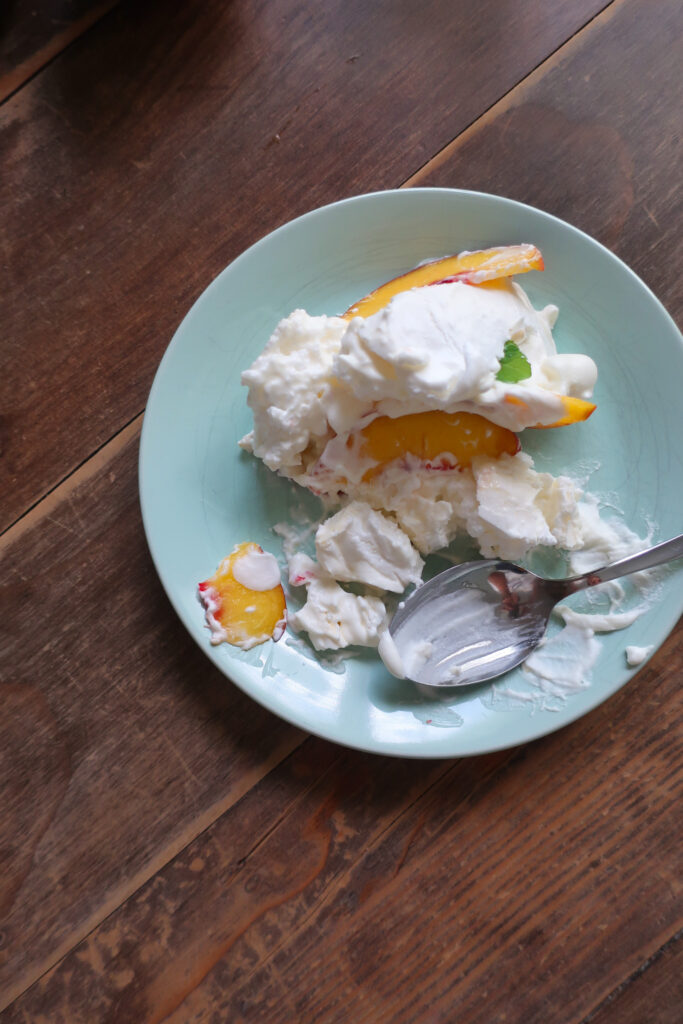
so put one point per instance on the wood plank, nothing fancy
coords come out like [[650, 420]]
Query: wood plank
[[653, 994], [119, 741], [153, 151], [490, 897], [33, 34], [593, 137]]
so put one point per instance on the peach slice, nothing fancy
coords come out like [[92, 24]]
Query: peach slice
[[429, 435], [575, 410], [469, 267], [239, 614]]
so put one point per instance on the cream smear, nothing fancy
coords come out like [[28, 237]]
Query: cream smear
[[257, 570], [637, 655]]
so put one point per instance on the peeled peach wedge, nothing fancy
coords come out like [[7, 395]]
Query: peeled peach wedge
[[469, 267], [238, 614], [575, 410], [429, 435]]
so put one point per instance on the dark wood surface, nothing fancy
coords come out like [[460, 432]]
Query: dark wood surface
[[31, 35], [168, 849]]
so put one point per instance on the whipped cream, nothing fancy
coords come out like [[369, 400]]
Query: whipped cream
[[257, 570], [289, 385], [429, 348], [637, 655], [440, 347], [389, 653], [597, 622], [321, 379]]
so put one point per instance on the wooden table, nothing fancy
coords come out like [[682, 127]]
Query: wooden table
[[169, 850]]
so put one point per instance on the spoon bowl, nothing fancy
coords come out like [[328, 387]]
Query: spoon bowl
[[477, 620]]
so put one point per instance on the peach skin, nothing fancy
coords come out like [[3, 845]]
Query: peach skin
[[469, 267]]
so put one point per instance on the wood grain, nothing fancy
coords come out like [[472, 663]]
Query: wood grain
[[171, 137], [171, 851], [33, 34], [568, 141], [654, 993], [399, 892], [119, 742]]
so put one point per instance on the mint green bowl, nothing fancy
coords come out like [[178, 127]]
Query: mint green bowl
[[201, 495]]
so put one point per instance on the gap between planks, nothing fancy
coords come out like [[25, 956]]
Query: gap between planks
[[513, 755], [12, 81], [164, 856], [638, 973], [61, 491], [207, 820], [513, 95]]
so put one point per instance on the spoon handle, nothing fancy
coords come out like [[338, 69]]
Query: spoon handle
[[657, 555]]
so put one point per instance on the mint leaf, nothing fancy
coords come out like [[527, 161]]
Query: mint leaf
[[514, 366]]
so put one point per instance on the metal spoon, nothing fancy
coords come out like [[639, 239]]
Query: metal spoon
[[480, 619]]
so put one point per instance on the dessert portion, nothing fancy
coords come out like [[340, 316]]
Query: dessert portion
[[244, 601], [406, 411], [406, 416], [415, 409]]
